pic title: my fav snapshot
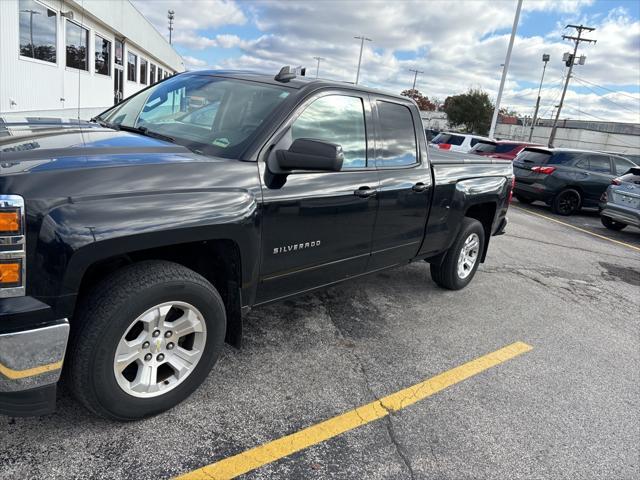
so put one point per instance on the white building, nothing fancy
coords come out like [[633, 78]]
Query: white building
[[435, 120], [75, 58]]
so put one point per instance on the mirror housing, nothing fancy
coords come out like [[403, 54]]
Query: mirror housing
[[307, 154]]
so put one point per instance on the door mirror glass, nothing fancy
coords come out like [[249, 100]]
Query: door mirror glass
[[307, 154]]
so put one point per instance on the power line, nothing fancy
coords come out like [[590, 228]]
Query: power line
[[605, 88], [605, 98]]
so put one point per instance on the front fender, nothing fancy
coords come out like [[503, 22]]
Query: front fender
[[84, 230]]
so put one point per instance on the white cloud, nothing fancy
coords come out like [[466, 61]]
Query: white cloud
[[458, 45], [193, 63]]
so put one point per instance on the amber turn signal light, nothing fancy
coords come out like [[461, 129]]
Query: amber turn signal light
[[10, 221], [10, 274]]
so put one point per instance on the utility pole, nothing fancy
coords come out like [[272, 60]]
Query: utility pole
[[570, 60], [505, 69], [415, 77], [170, 16], [545, 59], [318, 66], [362, 38]]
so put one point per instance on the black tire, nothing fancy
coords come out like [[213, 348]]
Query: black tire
[[611, 224], [567, 202], [524, 200], [105, 314], [446, 274]]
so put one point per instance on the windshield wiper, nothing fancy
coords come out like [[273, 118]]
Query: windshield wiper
[[105, 124], [145, 131]]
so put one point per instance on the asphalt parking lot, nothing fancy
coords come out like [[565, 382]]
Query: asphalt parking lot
[[567, 408]]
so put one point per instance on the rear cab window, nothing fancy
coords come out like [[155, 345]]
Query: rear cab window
[[397, 135]]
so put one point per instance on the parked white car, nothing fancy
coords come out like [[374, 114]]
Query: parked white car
[[456, 142]]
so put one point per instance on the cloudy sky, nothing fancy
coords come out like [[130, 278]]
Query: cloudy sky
[[459, 44]]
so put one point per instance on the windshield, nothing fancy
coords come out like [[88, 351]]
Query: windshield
[[505, 147], [485, 147], [212, 115]]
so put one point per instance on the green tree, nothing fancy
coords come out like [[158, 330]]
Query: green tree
[[423, 102], [471, 111]]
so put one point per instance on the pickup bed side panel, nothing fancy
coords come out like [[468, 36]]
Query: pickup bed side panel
[[459, 186]]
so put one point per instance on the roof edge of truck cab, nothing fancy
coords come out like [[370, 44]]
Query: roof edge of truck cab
[[297, 83]]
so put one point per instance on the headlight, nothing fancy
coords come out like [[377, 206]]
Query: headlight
[[12, 246]]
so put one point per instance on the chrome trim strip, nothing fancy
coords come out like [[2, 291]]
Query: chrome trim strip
[[32, 358]]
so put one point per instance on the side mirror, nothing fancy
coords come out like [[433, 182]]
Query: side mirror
[[307, 154]]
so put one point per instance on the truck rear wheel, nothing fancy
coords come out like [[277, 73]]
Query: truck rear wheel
[[461, 260], [144, 339]]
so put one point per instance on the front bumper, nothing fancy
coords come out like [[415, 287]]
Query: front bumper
[[32, 349]]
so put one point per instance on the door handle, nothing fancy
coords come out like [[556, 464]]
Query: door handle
[[365, 192], [419, 187]]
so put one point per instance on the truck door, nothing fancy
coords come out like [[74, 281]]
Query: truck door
[[317, 226], [405, 184]]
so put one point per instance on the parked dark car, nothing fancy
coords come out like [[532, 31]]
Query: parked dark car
[[504, 149], [620, 203], [564, 178], [131, 248]]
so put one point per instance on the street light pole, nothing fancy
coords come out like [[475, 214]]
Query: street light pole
[[415, 77], [318, 66], [545, 59], [170, 16], [505, 69], [362, 38]]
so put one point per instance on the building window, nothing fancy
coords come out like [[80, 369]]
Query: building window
[[152, 74], [159, 74], [77, 41], [102, 56], [143, 71], [132, 66], [119, 53], [38, 31]]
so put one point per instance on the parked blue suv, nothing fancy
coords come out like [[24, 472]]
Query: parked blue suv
[[564, 178]]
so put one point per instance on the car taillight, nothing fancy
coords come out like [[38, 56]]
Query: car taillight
[[513, 184], [544, 170], [444, 146], [616, 181]]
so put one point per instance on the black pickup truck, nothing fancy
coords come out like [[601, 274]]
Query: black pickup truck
[[132, 246]]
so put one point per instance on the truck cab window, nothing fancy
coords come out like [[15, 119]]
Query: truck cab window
[[397, 135], [336, 119]]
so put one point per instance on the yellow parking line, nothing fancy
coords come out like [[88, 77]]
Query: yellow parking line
[[576, 228], [12, 374], [270, 452]]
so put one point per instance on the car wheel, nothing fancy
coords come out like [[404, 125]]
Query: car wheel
[[144, 339], [461, 260], [567, 202], [611, 224], [524, 200]]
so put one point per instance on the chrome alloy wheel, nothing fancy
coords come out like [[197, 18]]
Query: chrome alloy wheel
[[468, 255], [160, 349]]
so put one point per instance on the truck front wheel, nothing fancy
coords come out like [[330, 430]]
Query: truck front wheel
[[461, 260], [144, 339]]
